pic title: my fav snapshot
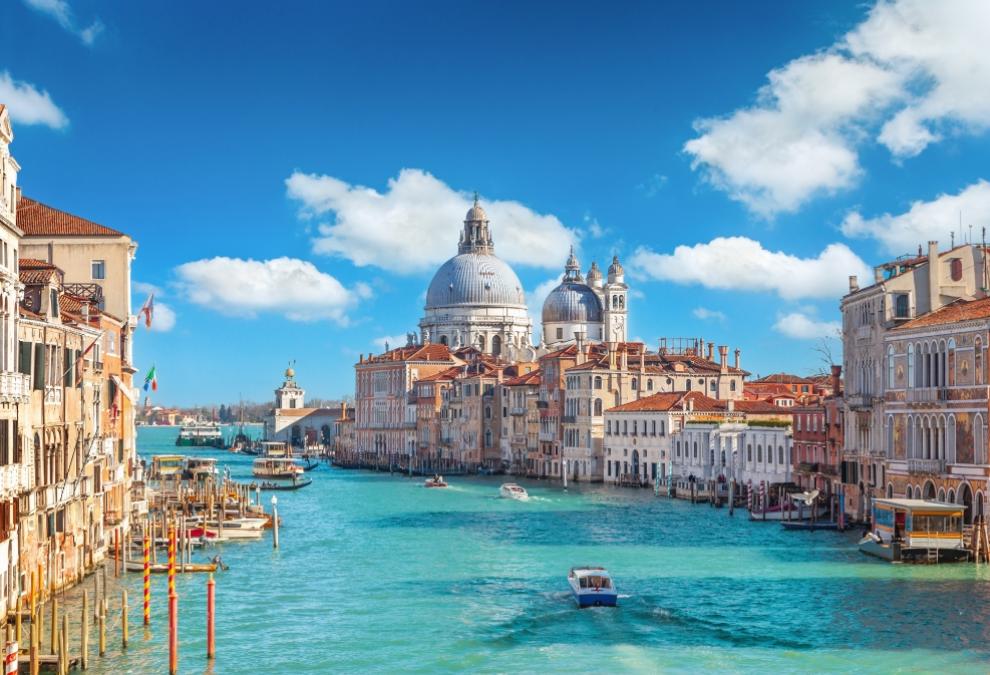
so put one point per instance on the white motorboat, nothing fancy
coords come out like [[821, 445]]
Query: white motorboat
[[275, 467], [513, 491], [592, 587], [435, 482]]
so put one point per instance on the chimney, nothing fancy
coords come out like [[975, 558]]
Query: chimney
[[360, 358], [625, 360], [877, 275], [853, 283], [934, 277], [731, 407], [579, 343], [737, 359], [711, 351], [836, 380], [690, 403], [723, 357], [611, 355]]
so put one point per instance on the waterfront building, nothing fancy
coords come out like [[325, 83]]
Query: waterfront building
[[343, 431], [432, 409], [902, 290], [290, 421], [383, 385], [473, 426], [612, 374], [936, 407], [476, 300], [552, 391], [586, 310], [801, 390], [521, 423]]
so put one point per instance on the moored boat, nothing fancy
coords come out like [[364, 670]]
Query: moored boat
[[269, 486], [513, 491], [200, 467], [592, 587], [916, 530]]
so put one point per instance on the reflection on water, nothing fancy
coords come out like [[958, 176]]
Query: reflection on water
[[376, 573]]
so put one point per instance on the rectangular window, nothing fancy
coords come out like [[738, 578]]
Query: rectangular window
[[99, 269], [39, 366]]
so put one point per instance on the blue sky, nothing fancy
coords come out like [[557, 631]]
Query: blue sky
[[293, 176]]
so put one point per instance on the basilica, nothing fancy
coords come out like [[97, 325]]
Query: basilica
[[475, 299]]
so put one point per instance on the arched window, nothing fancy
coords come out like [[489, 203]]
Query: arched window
[[481, 342], [911, 382], [649, 384], [749, 453], [695, 452], [598, 381], [978, 360], [635, 384], [891, 379], [950, 365], [780, 454], [488, 412], [598, 406], [488, 438], [890, 436], [687, 385], [443, 340], [759, 453], [497, 345]]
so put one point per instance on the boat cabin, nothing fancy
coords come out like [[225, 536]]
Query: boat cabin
[[275, 449], [592, 577], [918, 523], [167, 465]]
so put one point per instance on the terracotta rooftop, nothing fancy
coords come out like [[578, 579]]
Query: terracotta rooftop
[[531, 378], [960, 310], [37, 274], [304, 412], [783, 378], [430, 352], [37, 219], [669, 400], [451, 373]]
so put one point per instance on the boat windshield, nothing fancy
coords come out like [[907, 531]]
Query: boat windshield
[[596, 582], [949, 523]]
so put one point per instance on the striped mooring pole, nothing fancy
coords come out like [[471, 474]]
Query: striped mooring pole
[[171, 560], [147, 580]]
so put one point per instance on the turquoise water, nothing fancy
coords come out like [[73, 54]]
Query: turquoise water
[[378, 574]]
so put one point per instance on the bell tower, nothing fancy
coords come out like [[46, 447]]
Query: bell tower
[[616, 294], [289, 395]]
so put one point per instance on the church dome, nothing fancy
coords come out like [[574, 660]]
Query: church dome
[[475, 279], [572, 302], [476, 214]]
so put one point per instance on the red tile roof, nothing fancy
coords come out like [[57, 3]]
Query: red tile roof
[[531, 378], [784, 378], [430, 352], [960, 310], [37, 219], [668, 401]]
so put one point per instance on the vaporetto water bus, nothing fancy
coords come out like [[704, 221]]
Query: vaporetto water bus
[[204, 435], [916, 530]]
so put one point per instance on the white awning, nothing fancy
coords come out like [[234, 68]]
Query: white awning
[[124, 389]]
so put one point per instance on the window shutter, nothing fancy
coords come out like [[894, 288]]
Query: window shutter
[[39, 366], [66, 370], [24, 364]]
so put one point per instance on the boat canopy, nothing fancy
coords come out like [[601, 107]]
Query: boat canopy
[[922, 505]]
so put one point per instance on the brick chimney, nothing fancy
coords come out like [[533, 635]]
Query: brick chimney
[[579, 343], [723, 358], [711, 351], [853, 283], [837, 380], [737, 359]]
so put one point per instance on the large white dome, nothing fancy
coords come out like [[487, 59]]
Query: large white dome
[[475, 279]]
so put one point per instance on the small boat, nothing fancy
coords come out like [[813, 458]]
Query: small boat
[[513, 491], [435, 482], [592, 587], [162, 568], [268, 486], [310, 464], [200, 467], [167, 466], [275, 467]]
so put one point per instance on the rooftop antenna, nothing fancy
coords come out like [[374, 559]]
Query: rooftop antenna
[[952, 239]]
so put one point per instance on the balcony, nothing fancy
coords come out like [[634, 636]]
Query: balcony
[[14, 387], [569, 419], [927, 395], [859, 400], [926, 466], [807, 467]]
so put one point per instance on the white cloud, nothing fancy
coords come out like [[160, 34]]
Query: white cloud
[[653, 185], [164, 318], [909, 72], [802, 327], [61, 11], [534, 302], [28, 105], [288, 286], [706, 314], [742, 264], [925, 221], [144, 288], [413, 226]]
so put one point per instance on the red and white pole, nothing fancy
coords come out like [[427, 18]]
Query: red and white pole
[[147, 579], [173, 634], [211, 649]]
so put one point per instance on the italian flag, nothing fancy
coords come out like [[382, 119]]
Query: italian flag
[[151, 380]]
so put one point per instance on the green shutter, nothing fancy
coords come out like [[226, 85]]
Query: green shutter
[[24, 364], [39, 366], [66, 370]]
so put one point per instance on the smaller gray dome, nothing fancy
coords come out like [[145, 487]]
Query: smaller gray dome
[[572, 302]]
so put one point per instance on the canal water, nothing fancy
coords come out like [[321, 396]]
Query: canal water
[[377, 574]]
